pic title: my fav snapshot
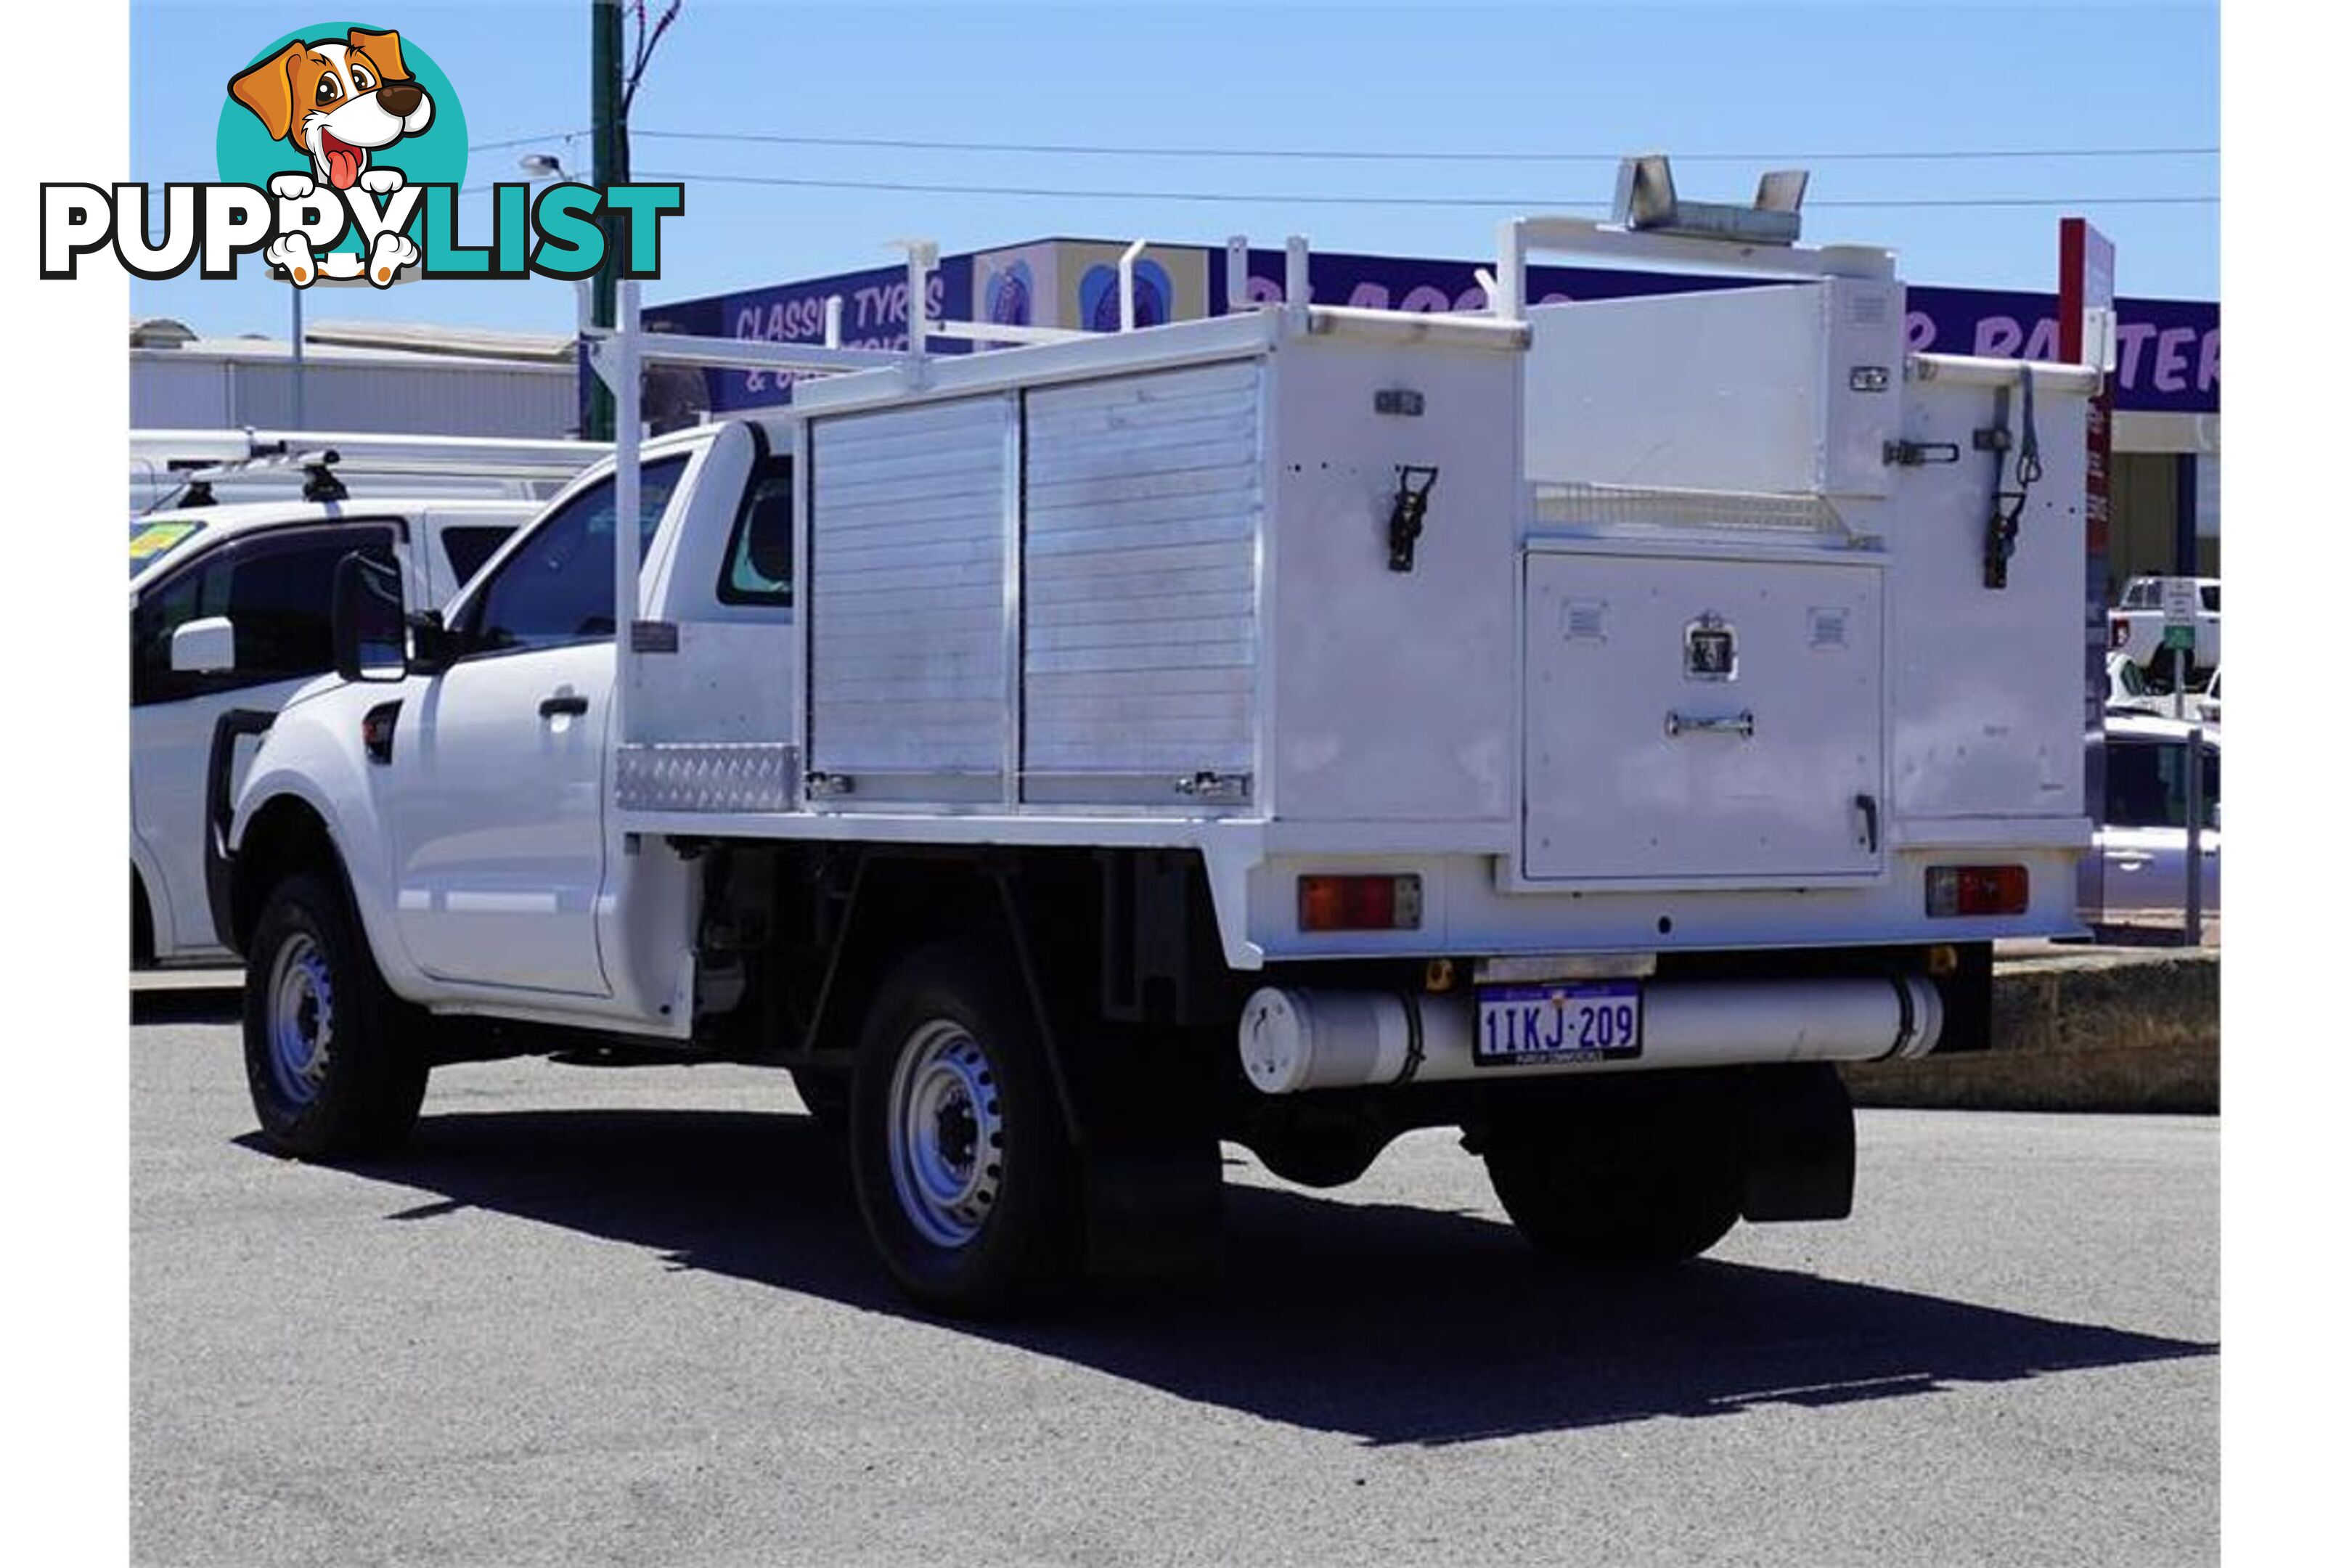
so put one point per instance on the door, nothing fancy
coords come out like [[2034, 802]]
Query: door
[[908, 644], [495, 787], [1695, 721], [275, 587]]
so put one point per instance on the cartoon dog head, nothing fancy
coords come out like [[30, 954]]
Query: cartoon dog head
[[337, 99]]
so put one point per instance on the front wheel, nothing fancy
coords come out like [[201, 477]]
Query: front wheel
[[964, 1172], [328, 1072], [826, 1097]]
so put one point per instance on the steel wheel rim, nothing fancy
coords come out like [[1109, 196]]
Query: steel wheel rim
[[947, 1133], [302, 1019]]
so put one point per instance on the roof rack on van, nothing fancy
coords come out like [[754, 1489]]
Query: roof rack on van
[[253, 451], [322, 462]]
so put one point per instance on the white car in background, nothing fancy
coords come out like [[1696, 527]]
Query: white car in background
[[2135, 625], [2139, 873], [229, 608]]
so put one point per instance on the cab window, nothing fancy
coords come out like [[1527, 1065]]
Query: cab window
[[760, 553], [2147, 784], [469, 547], [556, 586], [276, 589]]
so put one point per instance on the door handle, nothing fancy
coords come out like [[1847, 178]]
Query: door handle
[[1742, 724], [562, 702]]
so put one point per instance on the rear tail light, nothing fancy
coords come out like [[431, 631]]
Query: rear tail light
[[1976, 891], [2118, 631], [1358, 903]]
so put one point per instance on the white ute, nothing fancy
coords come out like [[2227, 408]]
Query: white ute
[[229, 610], [229, 602], [1582, 725]]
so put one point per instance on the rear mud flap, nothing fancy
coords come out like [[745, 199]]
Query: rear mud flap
[[219, 810], [1796, 1143]]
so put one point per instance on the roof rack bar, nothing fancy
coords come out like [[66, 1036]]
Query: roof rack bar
[[922, 255], [1295, 287], [627, 433], [1516, 238], [1127, 285], [361, 450], [1004, 332], [739, 353]]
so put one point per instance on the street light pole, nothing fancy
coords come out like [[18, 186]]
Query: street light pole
[[609, 153], [299, 423]]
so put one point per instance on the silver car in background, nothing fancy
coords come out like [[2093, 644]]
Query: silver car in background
[[2139, 874]]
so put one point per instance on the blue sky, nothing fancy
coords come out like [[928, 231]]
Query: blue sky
[[1579, 84]]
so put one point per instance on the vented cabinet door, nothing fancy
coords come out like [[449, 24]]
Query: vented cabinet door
[[910, 679], [1143, 503]]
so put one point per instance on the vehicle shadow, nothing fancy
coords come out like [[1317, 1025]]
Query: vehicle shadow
[[187, 1005], [1392, 1324]]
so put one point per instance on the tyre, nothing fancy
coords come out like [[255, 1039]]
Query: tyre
[[330, 1072], [964, 1172], [826, 1095], [143, 926], [1610, 1194]]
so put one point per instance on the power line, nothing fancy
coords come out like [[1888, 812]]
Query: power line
[[566, 137], [1324, 199], [1366, 155]]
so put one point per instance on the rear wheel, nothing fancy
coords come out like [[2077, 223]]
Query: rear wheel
[[964, 1172], [324, 1061], [1619, 1188]]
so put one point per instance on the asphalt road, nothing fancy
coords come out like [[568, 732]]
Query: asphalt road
[[628, 1317]]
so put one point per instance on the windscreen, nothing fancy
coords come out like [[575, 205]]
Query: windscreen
[[152, 541]]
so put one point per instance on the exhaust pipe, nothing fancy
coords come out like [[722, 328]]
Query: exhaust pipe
[[1295, 1039]]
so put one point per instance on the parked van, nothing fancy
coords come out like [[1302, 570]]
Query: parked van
[[229, 608]]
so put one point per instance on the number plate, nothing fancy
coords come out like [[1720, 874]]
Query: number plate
[[1599, 1021]]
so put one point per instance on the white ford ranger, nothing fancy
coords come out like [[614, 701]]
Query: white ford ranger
[[1583, 725]]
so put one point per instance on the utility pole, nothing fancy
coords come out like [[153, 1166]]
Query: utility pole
[[609, 151]]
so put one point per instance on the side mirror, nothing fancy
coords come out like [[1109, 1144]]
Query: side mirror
[[369, 621], [204, 648], [433, 647]]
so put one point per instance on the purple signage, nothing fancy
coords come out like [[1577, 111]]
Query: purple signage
[[2167, 352], [873, 315]]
